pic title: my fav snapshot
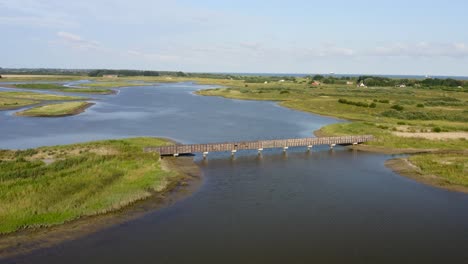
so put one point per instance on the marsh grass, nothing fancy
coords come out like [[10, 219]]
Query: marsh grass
[[450, 169], [83, 180], [12, 100], [61, 88], [54, 110]]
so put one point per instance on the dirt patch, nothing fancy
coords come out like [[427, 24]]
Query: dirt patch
[[433, 135]]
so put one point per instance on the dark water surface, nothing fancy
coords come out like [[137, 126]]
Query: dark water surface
[[326, 206]]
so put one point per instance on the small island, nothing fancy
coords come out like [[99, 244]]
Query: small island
[[56, 110]]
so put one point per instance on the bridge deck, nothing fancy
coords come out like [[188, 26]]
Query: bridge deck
[[258, 145]]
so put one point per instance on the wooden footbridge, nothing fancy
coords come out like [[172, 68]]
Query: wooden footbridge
[[233, 147]]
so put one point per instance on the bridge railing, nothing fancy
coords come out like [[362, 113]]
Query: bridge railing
[[259, 144]]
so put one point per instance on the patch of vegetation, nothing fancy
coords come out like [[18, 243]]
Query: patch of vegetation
[[398, 107], [450, 169], [361, 104], [418, 115], [12, 100], [12, 103], [54, 110], [61, 88], [39, 96], [105, 176]]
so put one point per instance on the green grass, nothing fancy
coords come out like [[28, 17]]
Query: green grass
[[53, 110], [83, 180], [61, 88], [11, 100], [12, 103], [450, 169], [39, 96]]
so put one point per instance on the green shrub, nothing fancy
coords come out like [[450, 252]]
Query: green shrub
[[398, 107], [437, 129], [361, 104], [420, 105]]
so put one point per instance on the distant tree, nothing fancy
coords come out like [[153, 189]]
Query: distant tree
[[318, 77], [180, 74]]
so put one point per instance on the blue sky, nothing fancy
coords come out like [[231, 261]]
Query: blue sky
[[375, 37]]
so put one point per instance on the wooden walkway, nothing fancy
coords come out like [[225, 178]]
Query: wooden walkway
[[259, 145]]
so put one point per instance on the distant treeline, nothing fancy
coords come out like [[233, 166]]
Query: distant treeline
[[368, 80], [100, 73], [44, 71], [429, 82]]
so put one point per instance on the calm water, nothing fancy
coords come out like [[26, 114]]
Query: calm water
[[322, 207]]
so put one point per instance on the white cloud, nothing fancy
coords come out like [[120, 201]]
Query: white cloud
[[76, 41], [422, 49]]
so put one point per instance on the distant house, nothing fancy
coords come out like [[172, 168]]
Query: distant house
[[402, 85], [281, 80], [265, 82], [315, 83], [110, 76], [349, 83]]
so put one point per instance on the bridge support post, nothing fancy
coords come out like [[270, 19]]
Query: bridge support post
[[332, 145], [205, 154]]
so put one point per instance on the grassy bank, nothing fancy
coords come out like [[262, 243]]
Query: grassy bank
[[12, 100], [444, 170], [51, 185], [56, 110], [61, 88]]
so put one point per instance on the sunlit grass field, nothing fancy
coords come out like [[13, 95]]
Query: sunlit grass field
[[61, 88], [51, 185]]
